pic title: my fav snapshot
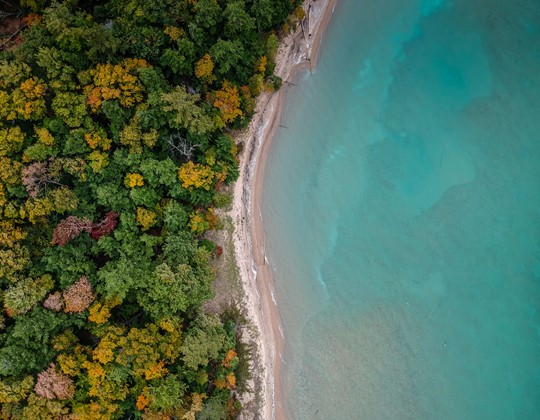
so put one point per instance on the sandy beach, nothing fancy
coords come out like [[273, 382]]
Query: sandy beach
[[298, 51]]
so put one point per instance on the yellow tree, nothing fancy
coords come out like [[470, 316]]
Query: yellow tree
[[100, 312], [227, 100], [98, 160], [14, 257], [174, 32], [117, 81], [43, 408], [10, 175], [95, 140], [204, 69], [146, 218], [29, 101], [15, 391], [39, 208], [196, 406], [196, 175], [44, 136], [10, 234], [260, 66], [133, 180], [10, 171], [11, 140], [145, 352], [200, 221], [133, 137], [27, 97]]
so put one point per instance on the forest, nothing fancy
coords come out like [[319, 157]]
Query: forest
[[115, 148]]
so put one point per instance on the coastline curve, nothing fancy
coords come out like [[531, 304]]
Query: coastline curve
[[296, 53]]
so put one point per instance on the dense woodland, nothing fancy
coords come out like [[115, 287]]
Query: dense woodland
[[115, 148]]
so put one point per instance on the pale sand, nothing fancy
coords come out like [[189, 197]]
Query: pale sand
[[298, 51]]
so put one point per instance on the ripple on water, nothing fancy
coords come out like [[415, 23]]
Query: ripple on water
[[403, 215]]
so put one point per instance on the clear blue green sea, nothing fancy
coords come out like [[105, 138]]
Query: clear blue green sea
[[402, 213]]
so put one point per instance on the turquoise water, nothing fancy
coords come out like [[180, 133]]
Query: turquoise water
[[402, 211]]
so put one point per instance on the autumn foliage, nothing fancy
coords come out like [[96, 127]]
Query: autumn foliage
[[204, 69], [115, 153], [36, 177], [54, 385], [196, 175], [227, 100], [118, 82], [69, 228], [105, 226], [134, 180], [145, 217], [78, 296], [72, 226], [54, 302]]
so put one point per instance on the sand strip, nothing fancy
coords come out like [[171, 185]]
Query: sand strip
[[297, 52]]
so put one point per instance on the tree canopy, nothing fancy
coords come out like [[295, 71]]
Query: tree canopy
[[115, 120]]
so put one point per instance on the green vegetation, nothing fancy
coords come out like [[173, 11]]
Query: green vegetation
[[113, 152]]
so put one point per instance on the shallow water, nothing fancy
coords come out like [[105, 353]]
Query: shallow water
[[402, 211]]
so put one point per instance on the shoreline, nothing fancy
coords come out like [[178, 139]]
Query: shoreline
[[295, 54]]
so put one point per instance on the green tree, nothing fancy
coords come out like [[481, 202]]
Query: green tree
[[180, 59], [25, 348], [238, 22], [25, 294], [175, 219], [166, 393], [170, 292], [204, 341], [208, 15], [70, 108], [69, 263], [214, 408], [228, 55], [183, 111], [159, 173]]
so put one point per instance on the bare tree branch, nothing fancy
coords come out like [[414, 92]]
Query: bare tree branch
[[37, 176], [181, 146]]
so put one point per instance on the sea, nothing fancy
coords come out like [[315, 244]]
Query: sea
[[401, 207]]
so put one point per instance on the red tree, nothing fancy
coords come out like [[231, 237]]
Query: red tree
[[69, 229], [106, 226], [219, 251]]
